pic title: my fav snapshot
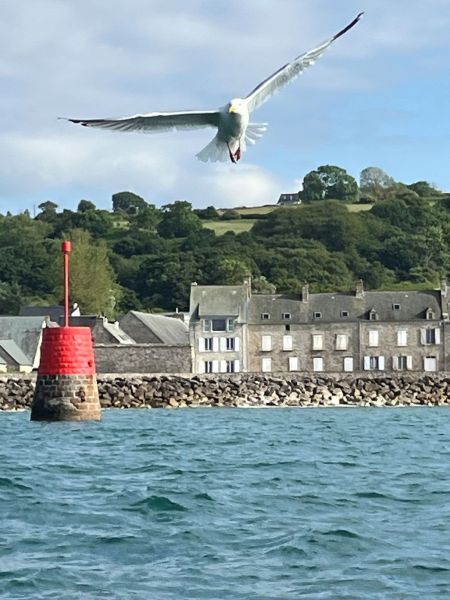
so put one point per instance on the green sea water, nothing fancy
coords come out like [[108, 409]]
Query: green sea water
[[227, 504]]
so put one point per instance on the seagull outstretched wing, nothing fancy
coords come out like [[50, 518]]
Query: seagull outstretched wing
[[156, 122], [290, 71]]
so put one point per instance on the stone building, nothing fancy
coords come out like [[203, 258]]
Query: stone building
[[218, 327], [327, 332], [20, 342]]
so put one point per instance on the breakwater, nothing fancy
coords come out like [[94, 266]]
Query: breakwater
[[248, 390]]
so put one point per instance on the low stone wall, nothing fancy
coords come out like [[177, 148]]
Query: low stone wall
[[246, 390]]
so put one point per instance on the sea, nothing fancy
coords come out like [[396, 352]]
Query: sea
[[218, 504]]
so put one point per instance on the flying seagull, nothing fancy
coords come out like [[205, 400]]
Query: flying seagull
[[234, 130]]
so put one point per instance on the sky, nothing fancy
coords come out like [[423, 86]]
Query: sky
[[380, 96]]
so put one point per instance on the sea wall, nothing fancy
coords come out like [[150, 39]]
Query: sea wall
[[248, 390]]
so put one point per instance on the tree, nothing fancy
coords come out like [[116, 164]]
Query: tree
[[178, 220], [10, 298], [92, 280], [374, 182], [208, 213], [85, 205], [329, 182], [424, 189], [128, 203], [232, 270]]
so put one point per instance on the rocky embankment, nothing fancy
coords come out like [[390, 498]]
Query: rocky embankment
[[249, 391]]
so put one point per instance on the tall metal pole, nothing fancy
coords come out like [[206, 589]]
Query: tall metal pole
[[66, 248]]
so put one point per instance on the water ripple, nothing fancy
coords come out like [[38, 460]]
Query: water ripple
[[227, 504]]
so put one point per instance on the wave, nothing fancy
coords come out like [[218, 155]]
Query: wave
[[156, 504]]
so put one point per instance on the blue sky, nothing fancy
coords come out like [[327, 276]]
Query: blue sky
[[379, 97]]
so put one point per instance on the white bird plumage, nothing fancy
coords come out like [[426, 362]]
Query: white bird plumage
[[232, 121]]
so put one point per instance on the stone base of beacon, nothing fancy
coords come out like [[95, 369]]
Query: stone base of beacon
[[66, 385]]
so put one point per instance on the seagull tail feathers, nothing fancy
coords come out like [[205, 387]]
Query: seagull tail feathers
[[215, 151]]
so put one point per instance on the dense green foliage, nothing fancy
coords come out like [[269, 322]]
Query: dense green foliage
[[139, 256]]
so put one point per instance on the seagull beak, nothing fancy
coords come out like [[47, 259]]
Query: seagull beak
[[232, 109]]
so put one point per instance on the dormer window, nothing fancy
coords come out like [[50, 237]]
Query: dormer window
[[373, 315], [429, 314], [396, 307], [344, 314], [317, 315], [265, 316], [286, 316]]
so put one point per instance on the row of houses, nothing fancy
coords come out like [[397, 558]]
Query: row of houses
[[228, 329]]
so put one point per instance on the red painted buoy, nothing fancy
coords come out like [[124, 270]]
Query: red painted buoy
[[66, 385]]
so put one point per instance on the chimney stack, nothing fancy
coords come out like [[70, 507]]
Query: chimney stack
[[305, 293], [443, 287], [359, 292]]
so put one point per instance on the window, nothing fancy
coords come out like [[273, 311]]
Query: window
[[373, 337], [208, 344], [373, 315], [317, 364], [430, 336], [344, 313], [293, 363], [317, 315], [218, 325], [396, 307], [317, 341], [287, 342], [429, 314], [230, 345], [348, 364], [341, 341], [208, 366], [402, 363], [402, 337], [266, 365], [286, 316], [429, 363], [265, 316], [374, 363], [287, 327], [266, 343], [230, 366]]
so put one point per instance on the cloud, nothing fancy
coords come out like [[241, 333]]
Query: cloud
[[98, 59]]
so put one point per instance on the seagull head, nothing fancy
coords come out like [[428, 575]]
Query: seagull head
[[237, 105]]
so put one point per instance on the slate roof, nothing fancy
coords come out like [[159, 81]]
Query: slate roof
[[219, 300], [25, 331], [13, 350], [54, 312], [333, 306], [172, 332], [117, 333]]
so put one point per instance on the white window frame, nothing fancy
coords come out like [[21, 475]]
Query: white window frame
[[402, 337], [287, 342], [318, 364], [266, 343], [348, 364], [293, 363], [317, 341], [266, 365], [374, 338], [341, 341], [428, 358]]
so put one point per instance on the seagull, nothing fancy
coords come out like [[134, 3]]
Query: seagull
[[232, 121]]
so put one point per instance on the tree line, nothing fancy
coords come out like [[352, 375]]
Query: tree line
[[138, 256]]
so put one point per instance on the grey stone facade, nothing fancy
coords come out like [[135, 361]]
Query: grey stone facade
[[142, 358], [361, 331]]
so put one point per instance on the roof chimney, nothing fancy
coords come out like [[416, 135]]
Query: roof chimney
[[359, 292], [305, 293], [443, 287]]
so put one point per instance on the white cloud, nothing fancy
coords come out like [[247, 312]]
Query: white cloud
[[117, 57]]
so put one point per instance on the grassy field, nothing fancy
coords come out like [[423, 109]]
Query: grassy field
[[221, 227], [267, 208]]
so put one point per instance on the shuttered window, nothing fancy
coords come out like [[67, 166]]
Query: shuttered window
[[266, 343], [341, 341], [266, 365], [317, 364], [317, 341], [373, 337], [293, 363], [287, 342], [402, 337]]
